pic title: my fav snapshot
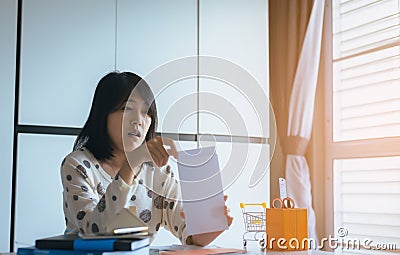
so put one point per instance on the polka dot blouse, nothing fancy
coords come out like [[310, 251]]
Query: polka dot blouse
[[92, 199]]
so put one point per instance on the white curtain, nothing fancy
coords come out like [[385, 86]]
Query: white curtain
[[300, 115]]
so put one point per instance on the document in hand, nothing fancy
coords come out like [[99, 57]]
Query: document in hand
[[202, 191]]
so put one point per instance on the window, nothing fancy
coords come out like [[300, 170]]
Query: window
[[363, 116]]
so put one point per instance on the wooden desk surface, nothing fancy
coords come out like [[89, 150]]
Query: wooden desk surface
[[309, 252]]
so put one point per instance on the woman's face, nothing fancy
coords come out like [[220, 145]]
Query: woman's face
[[128, 126]]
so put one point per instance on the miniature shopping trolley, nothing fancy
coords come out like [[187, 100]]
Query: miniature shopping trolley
[[254, 222]]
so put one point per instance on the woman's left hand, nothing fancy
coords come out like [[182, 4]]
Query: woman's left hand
[[227, 211], [206, 238]]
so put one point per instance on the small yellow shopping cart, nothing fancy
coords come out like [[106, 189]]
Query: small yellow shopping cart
[[255, 223]]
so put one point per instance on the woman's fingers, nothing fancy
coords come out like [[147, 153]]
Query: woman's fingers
[[154, 154], [172, 150], [157, 151], [154, 151], [160, 151], [230, 220], [227, 211]]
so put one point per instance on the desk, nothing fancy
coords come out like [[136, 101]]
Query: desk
[[309, 252], [154, 251]]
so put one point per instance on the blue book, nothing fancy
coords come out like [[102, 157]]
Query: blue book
[[74, 242], [36, 251]]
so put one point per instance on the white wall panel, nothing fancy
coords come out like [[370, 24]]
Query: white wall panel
[[151, 34], [39, 208], [67, 46], [8, 31], [237, 32]]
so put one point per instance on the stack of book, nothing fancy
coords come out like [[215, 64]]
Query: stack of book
[[75, 245]]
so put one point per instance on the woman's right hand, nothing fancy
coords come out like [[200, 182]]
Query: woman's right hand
[[153, 151]]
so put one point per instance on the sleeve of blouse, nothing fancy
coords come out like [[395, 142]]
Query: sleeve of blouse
[[172, 219], [89, 212]]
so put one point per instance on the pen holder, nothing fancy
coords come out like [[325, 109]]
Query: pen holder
[[287, 229]]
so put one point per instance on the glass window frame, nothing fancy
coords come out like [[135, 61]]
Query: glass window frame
[[362, 148]]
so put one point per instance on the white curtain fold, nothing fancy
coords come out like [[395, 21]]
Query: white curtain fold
[[301, 110]]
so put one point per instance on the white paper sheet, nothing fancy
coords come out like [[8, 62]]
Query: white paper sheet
[[202, 191]]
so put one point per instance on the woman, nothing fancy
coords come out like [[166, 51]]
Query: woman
[[98, 180]]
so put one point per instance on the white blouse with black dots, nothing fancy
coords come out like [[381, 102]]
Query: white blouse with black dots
[[92, 198]]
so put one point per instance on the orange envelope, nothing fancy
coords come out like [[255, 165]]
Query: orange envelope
[[287, 229]]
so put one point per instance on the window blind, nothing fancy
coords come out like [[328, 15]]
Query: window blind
[[366, 69], [366, 105], [367, 195]]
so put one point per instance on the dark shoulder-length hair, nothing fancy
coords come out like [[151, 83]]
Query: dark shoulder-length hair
[[112, 93]]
